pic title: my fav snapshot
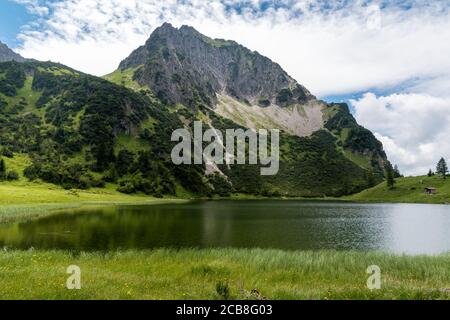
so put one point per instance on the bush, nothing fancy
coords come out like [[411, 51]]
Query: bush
[[7, 153], [264, 103], [2, 169], [97, 183], [221, 186], [127, 188], [111, 175], [223, 290], [32, 172], [12, 175]]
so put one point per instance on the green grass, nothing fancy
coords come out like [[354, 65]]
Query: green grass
[[194, 274], [26, 92], [18, 163], [130, 143], [218, 43], [125, 78], [58, 71], [407, 190], [360, 160]]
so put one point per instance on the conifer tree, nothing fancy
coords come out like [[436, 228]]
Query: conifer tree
[[442, 168]]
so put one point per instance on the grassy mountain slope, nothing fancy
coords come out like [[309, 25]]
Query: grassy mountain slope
[[74, 126], [407, 190]]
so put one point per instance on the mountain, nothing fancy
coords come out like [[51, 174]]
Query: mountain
[[182, 66], [81, 131], [6, 54]]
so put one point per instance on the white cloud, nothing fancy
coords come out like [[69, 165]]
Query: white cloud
[[414, 128], [342, 49], [331, 47], [34, 7]]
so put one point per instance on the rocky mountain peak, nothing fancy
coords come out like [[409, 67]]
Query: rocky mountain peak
[[184, 66], [6, 54]]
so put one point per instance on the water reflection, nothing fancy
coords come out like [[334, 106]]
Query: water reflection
[[416, 229], [291, 225]]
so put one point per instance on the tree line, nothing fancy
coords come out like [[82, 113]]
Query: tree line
[[393, 172]]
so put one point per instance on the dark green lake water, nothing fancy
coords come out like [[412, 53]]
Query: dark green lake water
[[291, 225]]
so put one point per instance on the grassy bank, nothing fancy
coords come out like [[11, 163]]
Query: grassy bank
[[27, 200], [196, 274], [407, 190], [41, 193]]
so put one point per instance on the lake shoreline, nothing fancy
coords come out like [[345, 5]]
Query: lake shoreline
[[28, 211], [25, 200]]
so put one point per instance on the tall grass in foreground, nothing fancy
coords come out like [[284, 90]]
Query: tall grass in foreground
[[222, 273]]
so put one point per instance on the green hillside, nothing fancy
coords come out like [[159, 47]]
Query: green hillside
[[408, 190], [24, 191], [82, 132]]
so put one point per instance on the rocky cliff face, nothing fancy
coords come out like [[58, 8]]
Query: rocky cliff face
[[6, 54], [184, 66]]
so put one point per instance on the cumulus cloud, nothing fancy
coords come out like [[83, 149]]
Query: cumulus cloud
[[331, 47], [34, 7], [414, 128]]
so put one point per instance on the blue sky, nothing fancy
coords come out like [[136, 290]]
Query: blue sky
[[12, 17], [388, 58]]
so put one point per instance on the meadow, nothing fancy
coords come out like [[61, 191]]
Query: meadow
[[407, 190], [251, 274]]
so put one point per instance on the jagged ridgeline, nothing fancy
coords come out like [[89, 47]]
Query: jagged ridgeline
[[82, 131], [6, 54]]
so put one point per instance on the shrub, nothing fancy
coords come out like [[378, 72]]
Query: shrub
[[7, 153], [111, 175], [127, 188], [32, 172], [223, 290], [12, 175], [2, 169], [284, 97], [97, 183], [264, 102]]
